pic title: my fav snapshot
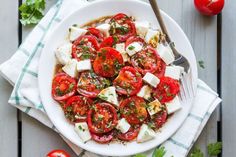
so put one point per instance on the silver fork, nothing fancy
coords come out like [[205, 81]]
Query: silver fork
[[186, 89]]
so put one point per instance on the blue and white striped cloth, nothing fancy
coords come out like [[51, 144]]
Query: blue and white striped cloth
[[21, 70]]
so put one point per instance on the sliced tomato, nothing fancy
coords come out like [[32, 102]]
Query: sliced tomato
[[85, 47], [63, 87], [95, 32], [102, 118], [108, 62], [130, 135], [90, 84], [166, 90], [148, 60], [160, 118], [102, 138], [133, 39], [109, 42], [76, 108], [128, 82], [122, 26], [133, 110], [58, 153]]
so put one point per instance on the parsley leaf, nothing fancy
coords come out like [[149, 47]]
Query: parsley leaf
[[214, 148], [196, 153], [140, 155], [159, 152], [131, 47], [32, 11], [201, 64]]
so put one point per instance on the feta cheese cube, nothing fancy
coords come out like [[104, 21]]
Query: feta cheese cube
[[142, 28], [154, 107], [83, 131], [109, 95], [165, 53], [84, 65], [133, 48], [145, 134], [71, 68], [75, 32], [121, 48], [173, 105], [104, 28], [151, 79], [145, 92], [63, 53], [173, 72], [152, 37], [123, 125]]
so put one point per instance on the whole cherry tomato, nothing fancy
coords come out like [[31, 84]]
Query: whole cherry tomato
[[209, 7], [58, 153]]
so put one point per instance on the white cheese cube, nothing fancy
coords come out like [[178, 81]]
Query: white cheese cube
[[151, 79], [145, 92], [71, 68], [173, 72], [104, 28], [121, 48], [133, 48], [63, 53], [165, 53], [84, 65], [83, 131], [123, 125], [154, 107], [145, 134], [142, 28], [75, 32], [152, 37], [109, 95], [174, 105]]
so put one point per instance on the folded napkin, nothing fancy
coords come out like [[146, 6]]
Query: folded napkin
[[21, 70]]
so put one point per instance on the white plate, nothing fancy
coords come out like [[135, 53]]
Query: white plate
[[141, 11]]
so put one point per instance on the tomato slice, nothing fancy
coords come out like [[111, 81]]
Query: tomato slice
[[160, 118], [133, 110], [85, 47], [122, 27], [90, 84], [76, 108], [108, 62], [109, 42], [102, 118], [128, 82], [95, 32], [166, 90], [102, 138], [134, 39], [58, 153], [130, 135], [63, 87], [148, 60]]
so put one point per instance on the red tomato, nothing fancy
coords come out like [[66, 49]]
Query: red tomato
[[58, 153], [130, 135], [134, 39], [102, 118], [133, 110], [102, 138], [90, 84], [63, 87], [85, 47], [76, 108], [122, 27], [109, 42], [108, 62], [160, 118], [209, 7], [128, 82], [166, 90], [95, 32], [148, 61]]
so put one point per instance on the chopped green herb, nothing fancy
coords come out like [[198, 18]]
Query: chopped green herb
[[159, 152], [106, 67], [103, 97], [214, 148], [131, 47], [201, 64]]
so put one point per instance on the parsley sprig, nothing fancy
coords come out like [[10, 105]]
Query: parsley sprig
[[32, 11]]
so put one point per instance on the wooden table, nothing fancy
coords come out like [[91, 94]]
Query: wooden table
[[213, 39]]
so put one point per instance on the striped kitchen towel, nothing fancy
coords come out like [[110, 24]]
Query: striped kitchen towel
[[21, 70]]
